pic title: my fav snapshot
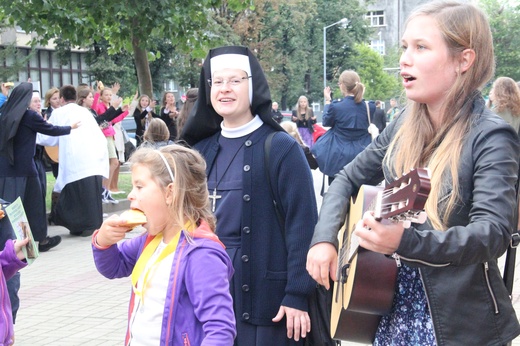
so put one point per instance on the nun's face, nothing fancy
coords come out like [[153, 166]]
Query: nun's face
[[231, 101], [36, 103]]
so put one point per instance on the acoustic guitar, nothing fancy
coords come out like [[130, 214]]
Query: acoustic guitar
[[366, 280], [52, 153]]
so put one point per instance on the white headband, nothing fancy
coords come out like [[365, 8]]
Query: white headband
[[166, 164], [234, 61]]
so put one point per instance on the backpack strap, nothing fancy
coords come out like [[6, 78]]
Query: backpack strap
[[267, 154]]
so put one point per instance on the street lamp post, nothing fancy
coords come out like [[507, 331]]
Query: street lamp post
[[343, 22]]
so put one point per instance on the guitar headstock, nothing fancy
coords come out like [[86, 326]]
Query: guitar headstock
[[404, 199]]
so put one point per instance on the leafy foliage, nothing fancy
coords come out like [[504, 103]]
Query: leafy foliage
[[131, 25], [379, 84], [504, 18]]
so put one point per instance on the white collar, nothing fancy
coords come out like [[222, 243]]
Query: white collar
[[237, 132]]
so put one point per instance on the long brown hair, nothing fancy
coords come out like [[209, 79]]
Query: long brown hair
[[352, 83], [417, 143], [299, 110], [82, 95], [506, 96], [191, 96]]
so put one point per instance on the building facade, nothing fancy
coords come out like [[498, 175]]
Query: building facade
[[388, 18], [45, 69]]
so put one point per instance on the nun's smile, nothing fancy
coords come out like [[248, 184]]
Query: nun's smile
[[230, 96]]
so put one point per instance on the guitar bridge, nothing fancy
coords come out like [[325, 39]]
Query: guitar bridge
[[344, 273]]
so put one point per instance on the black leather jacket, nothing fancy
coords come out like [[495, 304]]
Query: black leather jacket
[[467, 298]]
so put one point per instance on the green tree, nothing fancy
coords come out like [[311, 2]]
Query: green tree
[[369, 65], [504, 19], [131, 25], [287, 39]]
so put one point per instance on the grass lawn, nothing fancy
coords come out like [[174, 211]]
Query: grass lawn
[[124, 183]]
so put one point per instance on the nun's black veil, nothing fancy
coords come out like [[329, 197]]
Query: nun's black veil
[[11, 114], [203, 121]]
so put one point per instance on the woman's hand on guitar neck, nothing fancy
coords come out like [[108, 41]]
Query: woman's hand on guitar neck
[[379, 237], [322, 262]]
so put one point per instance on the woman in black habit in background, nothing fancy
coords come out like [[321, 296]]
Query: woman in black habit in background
[[18, 173]]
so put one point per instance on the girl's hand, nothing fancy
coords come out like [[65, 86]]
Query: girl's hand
[[322, 263], [117, 102], [111, 231], [125, 108], [136, 96], [153, 103], [75, 125], [378, 237], [18, 245], [115, 88], [174, 114]]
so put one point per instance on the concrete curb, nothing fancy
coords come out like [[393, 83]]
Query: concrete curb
[[115, 208]]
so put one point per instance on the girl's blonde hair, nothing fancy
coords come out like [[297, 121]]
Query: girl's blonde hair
[[292, 129], [103, 92], [190, 191], [139, 102], [157, 131], [418, 143], [506, 96], [300, 110], [352, 83], [48, 96]]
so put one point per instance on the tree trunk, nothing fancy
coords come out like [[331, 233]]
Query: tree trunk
[[144, 77]]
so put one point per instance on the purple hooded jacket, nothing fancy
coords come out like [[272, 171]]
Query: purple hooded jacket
[[198, 308], [10, 264]]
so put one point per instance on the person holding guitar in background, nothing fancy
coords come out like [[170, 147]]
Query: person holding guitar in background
[[449, 290]]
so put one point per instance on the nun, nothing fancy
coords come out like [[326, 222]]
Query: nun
[[229, 125], [19, 126]]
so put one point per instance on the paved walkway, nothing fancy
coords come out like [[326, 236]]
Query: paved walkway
[[66, 302]]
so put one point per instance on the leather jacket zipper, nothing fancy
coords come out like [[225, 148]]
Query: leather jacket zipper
[[398, 258], [488, 282], [429, 306]]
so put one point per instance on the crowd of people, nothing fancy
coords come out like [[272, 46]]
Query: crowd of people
[[234, 246]]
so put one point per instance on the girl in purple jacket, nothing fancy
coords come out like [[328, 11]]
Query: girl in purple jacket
[[179, 269], [11, 261]]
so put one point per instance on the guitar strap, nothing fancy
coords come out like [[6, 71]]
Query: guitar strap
[[509, 268]]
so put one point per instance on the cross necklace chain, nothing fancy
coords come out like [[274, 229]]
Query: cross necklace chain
[[214, 196]]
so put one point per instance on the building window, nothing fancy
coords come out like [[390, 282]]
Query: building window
[[378, 46], [45, 70], [376, 18]]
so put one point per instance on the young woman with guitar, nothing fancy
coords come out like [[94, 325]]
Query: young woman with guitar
[[448, 290]]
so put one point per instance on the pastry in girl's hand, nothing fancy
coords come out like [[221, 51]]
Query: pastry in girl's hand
[[133, 217]]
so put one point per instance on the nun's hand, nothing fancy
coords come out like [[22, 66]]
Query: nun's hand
[[75, 125], [298, 322]]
